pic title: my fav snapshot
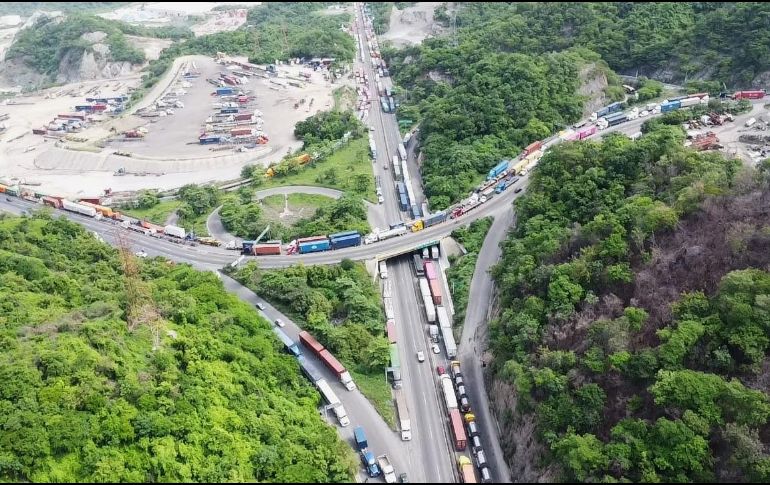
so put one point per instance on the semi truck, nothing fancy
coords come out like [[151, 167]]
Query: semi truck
[[403, 416], [429, 221], [387, 469], [367, 457], [390, 331], [328, 394], [328, 359], [749, 95], [609, 109], [395, 366], [466, 470], [498, 169], [268, 248], [290, 345], [383, 270], [435, 291]]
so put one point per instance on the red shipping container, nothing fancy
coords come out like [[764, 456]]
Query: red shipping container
[[263, 249], [241, 132], [310, 342], [435, 291], [390, 329], [50, 201], [331, 362], [242, 117], [749, 95], [99, 107], [458, 430], [533, 147]]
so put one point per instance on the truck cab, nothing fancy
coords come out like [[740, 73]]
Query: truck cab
[[372, 468]]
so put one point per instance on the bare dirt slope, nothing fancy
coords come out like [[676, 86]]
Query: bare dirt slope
[[413, 24]]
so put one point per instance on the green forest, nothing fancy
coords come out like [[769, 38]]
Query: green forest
[[723, 41], [28, 8], [460, 272], [633, 327], [85, 399]]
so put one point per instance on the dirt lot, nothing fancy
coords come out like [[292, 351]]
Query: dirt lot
[[164, 155]]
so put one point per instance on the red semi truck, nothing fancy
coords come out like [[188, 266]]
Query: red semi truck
[[749, 95], [532, 147], [328, 359]]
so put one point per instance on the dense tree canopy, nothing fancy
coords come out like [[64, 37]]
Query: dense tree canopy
[[86, 400], [618, 395]]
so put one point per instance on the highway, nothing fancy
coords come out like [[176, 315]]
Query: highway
[[431, 458]]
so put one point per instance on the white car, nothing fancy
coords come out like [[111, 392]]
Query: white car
[[279, 322], [644, 113], [380, 199], [261, 306], [141, 253], [420, 356], [436, 349]]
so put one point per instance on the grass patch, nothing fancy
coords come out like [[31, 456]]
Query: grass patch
[[377, 391], [461, 268], [344, 98], [156, 214], [300, 205], [338, 171]]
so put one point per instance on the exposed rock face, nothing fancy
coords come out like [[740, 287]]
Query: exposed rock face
[[94, 63], [593, 83]]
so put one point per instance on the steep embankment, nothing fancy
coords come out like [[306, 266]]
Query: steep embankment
[[631, 342], [87, 398]]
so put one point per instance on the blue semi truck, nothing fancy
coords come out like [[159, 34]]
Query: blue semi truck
[[367, 457], [498, 169]]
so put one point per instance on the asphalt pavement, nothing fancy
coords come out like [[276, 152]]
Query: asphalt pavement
[[474, 342]]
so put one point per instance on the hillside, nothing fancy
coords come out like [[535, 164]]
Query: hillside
[[721, 41], [85, 399], [79, 47], [631, 337], [478, 105]]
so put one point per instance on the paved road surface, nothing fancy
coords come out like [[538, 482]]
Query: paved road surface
[[473, 342], [216, 229]]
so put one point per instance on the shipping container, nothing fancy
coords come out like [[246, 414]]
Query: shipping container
[[443, 317], [174, 231], [314, 246], [310, 342], [269, 248], [458, 430], [449, 342], [311, 371], [345, 239], [749, 95], [104, 211], [49, 201], [498, 169], [430, 270], [532, 147], [586, 132], [435, 291], [430, 308], [670, 106], [417, 261], [335, 366], [390, 330], [435, 218], [466, 470], [73, 207], [449, 392], [401, 151]]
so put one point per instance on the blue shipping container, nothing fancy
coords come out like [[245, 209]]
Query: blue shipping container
[[498, 169], [314, 246], [224, 91], [346, 241], [434, 219], [400, 187], [209, 141], [403, 202], [342, 234], [228, 110], [666, 107]]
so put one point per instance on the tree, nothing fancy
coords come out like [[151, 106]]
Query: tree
[[361, 183]]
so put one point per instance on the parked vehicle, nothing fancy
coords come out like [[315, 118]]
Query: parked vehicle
[[328, 359], [387, 468], [331, 398]]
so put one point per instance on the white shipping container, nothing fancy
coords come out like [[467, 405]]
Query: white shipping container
[[443, 317], [79, 208], [387, 289], [430, 308], [689, 102], [424, 287], [449, 392], [388, 303], [449, 342], [175, 231]]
